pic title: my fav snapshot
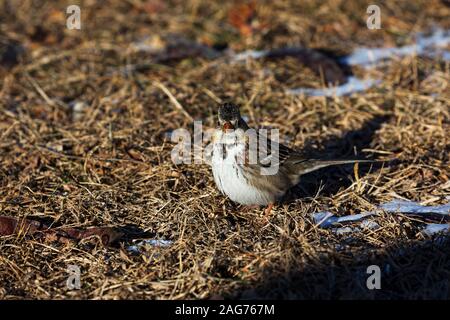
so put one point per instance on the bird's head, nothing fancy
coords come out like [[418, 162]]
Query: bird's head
[[229, 116]]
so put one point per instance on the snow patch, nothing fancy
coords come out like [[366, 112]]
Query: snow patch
[[247, 54], [434, 228], [352, 85], [425, 45], [432, 45], [137, 247], [411, 207], [325, 219]]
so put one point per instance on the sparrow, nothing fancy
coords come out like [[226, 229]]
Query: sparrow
[[248, 178]]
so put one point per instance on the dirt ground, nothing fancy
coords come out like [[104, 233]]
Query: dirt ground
[[85, 123]]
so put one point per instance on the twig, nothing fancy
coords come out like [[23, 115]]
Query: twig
[[39, 90], [173, 100]]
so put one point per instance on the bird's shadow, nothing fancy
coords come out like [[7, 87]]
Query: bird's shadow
[[333, 178]]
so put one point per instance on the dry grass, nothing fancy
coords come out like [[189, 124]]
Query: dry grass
[[109, 164]]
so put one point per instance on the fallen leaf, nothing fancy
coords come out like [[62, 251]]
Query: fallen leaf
[[241, 17]]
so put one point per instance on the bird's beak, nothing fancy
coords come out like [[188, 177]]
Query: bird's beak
[[227, 126]]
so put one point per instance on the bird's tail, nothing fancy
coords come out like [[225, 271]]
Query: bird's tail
[[308, 165]]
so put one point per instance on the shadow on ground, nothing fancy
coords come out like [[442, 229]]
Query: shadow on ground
[[336, 177], [418, 270]]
